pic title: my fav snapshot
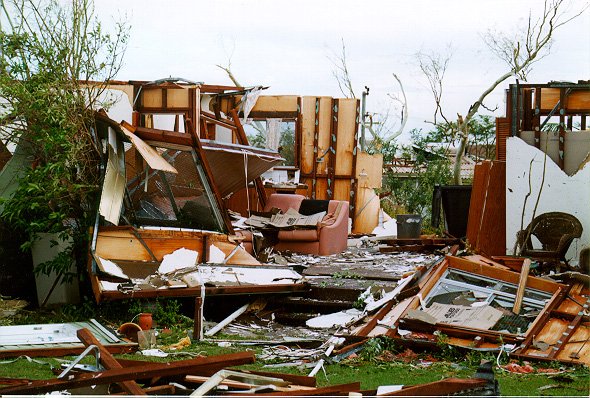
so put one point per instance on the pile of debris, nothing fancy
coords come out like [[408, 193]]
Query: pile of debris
[[208, 375]]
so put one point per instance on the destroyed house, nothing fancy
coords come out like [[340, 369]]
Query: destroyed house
[[170, 174]]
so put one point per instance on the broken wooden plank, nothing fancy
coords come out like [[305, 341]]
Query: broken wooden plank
[[10, 381], [438, 388], [108, 361], [299, 380], [166, 389], [251, 379], [339, 389], [569, 332], [64, 351], [524, 274], [194, 366]]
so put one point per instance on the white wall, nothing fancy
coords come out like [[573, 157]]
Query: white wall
[[568, 194]]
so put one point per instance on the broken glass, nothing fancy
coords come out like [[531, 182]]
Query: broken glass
[[182, 200]]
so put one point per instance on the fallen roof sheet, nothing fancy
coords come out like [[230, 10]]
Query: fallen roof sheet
[[234, 166]]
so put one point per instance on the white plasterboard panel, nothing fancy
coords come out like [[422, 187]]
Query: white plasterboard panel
[[113, 187], [568, 194], [247, 275]]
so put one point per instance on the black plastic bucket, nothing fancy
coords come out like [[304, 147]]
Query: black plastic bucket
[[409, 226]]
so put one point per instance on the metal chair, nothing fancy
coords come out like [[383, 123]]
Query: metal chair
[[555, 231]]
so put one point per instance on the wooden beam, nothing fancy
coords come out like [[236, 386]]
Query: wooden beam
[[561, 141], [108, 361], [335, 390], [332, 149], [65, 351], [193, 366], [374, 319], [316, 132], [149, 134], [243, 140], [438, 388], [298, 134], [524, 274], [536, 125], [211, 117], [354, 180], [542, 319]]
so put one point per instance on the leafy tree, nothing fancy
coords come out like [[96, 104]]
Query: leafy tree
[[413, 194], [482, 135], [55, 60], [286, 142], [287, 145]]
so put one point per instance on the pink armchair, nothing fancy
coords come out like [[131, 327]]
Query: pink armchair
[[328, 238]]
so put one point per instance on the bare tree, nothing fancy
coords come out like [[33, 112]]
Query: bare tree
[[341, 74], [403, 103], [227, 70], [519, 52], [434, 66], [257, 125]]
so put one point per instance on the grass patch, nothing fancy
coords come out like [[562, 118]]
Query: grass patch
[[380, 363], [371, 373]]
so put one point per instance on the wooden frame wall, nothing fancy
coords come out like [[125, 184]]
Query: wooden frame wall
[[529, 105]]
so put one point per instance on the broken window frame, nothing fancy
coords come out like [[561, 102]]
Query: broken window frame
[[556, 290], [200, 171], [493, 293]]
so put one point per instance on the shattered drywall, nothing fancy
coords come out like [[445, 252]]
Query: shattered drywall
[[560, 192]]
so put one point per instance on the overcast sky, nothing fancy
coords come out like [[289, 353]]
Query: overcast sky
[[287, 44]]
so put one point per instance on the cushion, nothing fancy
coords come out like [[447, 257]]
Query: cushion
[[312, 206], [302, 235]]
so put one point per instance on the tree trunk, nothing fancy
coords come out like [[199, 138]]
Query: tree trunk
[[458, 159]]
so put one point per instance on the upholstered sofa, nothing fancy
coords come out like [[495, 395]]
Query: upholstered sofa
[[329, 237]]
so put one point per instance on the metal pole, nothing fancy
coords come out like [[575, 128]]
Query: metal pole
[[363, 107]]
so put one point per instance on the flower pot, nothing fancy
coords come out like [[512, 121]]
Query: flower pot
[[145, 321]]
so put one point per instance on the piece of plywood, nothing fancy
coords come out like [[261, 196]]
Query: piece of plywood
[[486, 225], [177, 98], [151, 97], [366, 211], [369, 170], [325, 121], [342, 188], [286, 104], [276, 103], [346, 133], [576, 100], [308, 155], [123, 244]]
